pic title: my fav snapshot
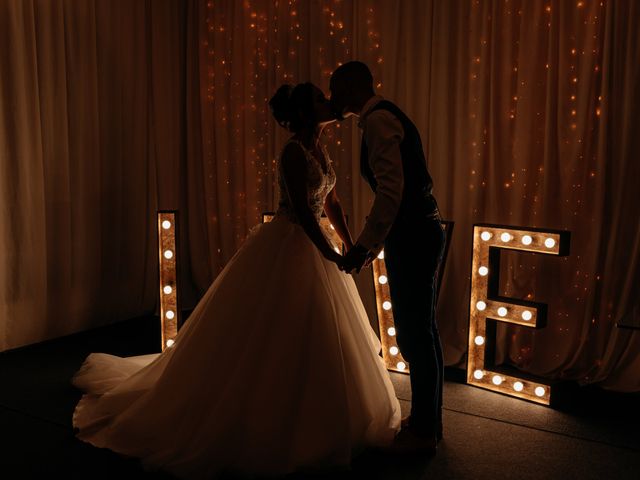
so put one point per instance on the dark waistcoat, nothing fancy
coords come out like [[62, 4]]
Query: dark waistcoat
[[417, 198]]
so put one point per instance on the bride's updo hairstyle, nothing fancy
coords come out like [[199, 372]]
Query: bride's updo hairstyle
[[292, 107]]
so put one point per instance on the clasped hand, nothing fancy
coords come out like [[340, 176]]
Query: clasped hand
[[356, 258]]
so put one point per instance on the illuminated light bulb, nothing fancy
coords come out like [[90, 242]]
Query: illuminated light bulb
[[393, 350], [485, 236], [505, 237], [401, 365], [527, 315], [526, 240], [481, 305], [332, 227], [497, 379], [549, 243], [478, 374], [518, 386], [391, 331], [479, 340], [381, 255], [502, 311], [539, 391], [336, 249], [168, 254], [382, 279], [483, 271], [167, 289], [386, 305], [170, 314], [170, 343], [166, 224]]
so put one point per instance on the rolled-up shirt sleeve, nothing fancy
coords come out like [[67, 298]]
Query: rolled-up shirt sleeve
[[383, 134]]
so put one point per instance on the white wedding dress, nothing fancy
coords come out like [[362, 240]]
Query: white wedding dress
[[277, 369]]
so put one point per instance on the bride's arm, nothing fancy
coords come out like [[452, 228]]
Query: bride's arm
[[294, 170], [334, 212]]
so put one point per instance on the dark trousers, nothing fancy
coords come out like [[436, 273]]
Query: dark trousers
[[412, 256]]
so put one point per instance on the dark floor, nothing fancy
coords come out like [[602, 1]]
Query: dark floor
[[593, 435]]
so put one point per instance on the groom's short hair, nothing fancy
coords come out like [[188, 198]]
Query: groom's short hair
[[355, 73]]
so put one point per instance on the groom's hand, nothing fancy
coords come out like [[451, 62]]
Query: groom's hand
[[369, 260], [355, 258]]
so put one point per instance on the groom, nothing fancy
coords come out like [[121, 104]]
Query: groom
[[404, 219]]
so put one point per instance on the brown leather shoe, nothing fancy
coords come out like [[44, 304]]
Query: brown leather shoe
[[409, 442]]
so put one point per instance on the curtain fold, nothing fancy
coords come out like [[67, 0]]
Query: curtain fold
[[85, 123], [114, 109]]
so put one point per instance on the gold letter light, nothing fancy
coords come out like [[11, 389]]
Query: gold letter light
[[390, 353], [167, 253], [487, 307]]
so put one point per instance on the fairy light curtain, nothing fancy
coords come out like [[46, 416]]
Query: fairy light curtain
[[247, 49], [526, 111], [531, 107]]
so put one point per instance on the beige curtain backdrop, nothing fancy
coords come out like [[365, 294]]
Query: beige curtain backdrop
[[92, 107], [113, 109]]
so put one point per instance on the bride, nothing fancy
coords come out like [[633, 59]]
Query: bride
[[277, 368]]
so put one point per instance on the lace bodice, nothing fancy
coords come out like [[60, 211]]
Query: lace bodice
[[319, 184]]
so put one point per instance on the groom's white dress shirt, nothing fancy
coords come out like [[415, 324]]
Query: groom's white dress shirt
[[383, 133]]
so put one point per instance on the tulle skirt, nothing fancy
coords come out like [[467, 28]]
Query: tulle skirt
[[277, 369]]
